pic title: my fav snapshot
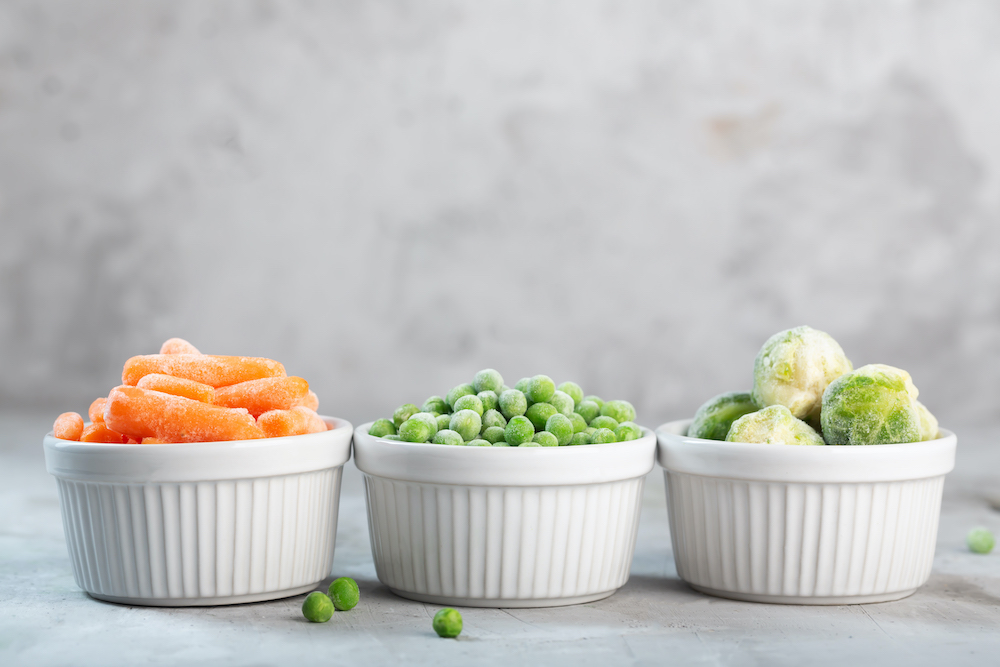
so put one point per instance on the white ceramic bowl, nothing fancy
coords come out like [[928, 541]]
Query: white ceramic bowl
[[803, 525], [503, 526], [202, 523]]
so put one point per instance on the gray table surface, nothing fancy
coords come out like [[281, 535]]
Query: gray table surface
[[46, 620]]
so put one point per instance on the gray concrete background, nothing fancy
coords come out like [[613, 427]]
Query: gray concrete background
[[388, 196]]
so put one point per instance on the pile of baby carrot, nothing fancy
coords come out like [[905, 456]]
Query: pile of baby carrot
[[182, 395]]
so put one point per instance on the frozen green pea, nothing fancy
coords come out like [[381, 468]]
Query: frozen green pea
[[588, 410], [573, 390], [774, 425], [415, 430], [794, 367], [493, 418], [628, 431], [595, 399], [580, 439], [489, 399], [382, 427], [539, 413], [530, 444], [501, 443], [494, 434], [604, 421], [443, 421], [546, 439], [428, 419], [562, 402], [470, 402], [447, 623], [541, 388], [714, 418], [480, 442], [503, 389], [344, 593], [395, 438], [435, 404], [519, 430], [404, 412], [522, 385], [487, 380], [874, 405], [602, 436], [317, 607], [578, 422], [561, 427], [928, 423], [590, 431], [980, 541], [467, 423], [620, 411], [448, 437], [513, 403], [457, 393]]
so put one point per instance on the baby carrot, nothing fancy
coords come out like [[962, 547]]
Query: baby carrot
[[101, 433], [260, 396], [141, 413], [217, 371], [169, 384], [68, 426], [178, 346]]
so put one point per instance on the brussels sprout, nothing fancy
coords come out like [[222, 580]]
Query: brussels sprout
[[774, 425], [794, 367], [716, 416], [928, 423], [874, 405]]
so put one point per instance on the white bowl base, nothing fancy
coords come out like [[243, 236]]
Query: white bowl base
[[207, 602], [503, 603], [805, 600]]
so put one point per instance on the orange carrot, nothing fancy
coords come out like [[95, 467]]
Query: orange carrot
[[68, 426], [101, 433], [216, 371], [141, 413], [297, 421], [260, 396], [311, 401], [178, 346], [96, 411], [169, 384]]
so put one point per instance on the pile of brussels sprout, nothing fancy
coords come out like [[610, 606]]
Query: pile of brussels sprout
[[806, 392], [535, 413]]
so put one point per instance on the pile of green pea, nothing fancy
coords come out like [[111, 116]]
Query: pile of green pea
[[535, 413]]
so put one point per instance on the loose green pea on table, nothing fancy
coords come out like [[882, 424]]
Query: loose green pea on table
[[535, 413], [342, 595]]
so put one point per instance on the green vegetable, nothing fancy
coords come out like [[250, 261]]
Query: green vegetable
[[382, 427], [494, 434], [435, 404], [539, 413], [573, 390], [344, 593], [488, 380], [580, 439], [546, 439], [469, 402], [403, 413], [562, 402], [773, 425], [628, 431], [620, 411], [513, 403], [443, 421], [595, 399], [467, 423], [479, 442], [980, 541], [589, 410], [448, 437], [874, 405], [794, 368], [560, 427], [489, 399], [447, 623], [458, 392], [716, 416], [519, 430], [415, 430], [578, 422], [317, 607], [540, 388], [604, 421], [603, 436], [493, 418]]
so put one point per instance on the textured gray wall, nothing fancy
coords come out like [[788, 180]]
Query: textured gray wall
[[389, 196]]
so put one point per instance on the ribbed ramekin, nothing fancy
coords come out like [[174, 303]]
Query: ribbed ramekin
[[803, 525], [503, 526], [201, 523]]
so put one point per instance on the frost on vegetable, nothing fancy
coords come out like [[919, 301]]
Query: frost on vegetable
[[774, 425], [928, 423], [794, 367], [874, 405], [716, 416]]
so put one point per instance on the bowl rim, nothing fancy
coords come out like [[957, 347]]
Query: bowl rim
[[486, 466], [676, 452], [200, 461]]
